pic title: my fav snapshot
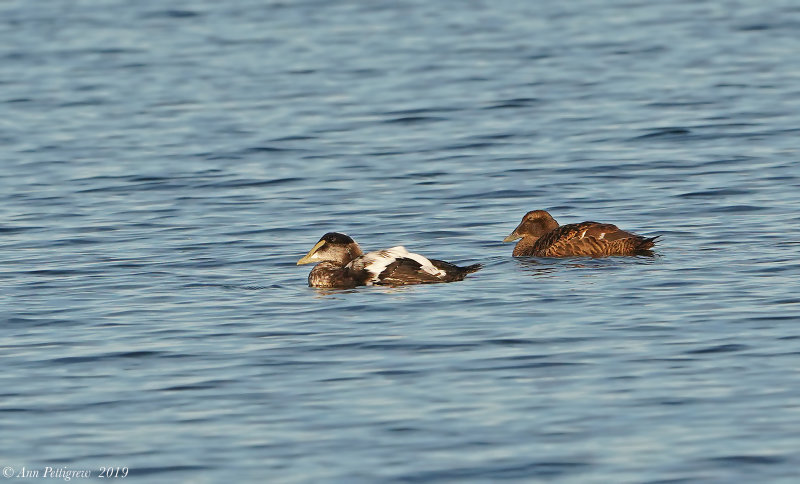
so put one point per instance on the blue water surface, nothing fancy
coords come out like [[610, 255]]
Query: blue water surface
[[164, 165]]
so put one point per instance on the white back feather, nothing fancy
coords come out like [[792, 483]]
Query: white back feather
[[377, 262]]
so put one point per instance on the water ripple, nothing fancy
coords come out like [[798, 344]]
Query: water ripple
[[164, 167]]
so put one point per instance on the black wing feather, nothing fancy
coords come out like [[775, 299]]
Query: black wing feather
[[406, 271]]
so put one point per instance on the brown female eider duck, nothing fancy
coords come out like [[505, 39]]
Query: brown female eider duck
[[343, 265], [543, 237]]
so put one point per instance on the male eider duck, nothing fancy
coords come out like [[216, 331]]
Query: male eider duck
[[543, 237], [341, 264]]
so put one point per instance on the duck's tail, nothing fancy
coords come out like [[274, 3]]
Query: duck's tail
[[647, 243], [452, 271], [470, 269], [461, 272]]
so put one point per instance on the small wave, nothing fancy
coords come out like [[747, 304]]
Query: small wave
[[106, 357], [520, 102], [664, 133], [718, 349], [749, 459], [714, 193], [737, 209], [172, 13], [414, 119], [240, 183], [266, 149]]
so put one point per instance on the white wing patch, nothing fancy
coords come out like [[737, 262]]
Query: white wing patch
[[377, 262]]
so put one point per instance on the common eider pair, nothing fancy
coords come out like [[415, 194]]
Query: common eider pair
[[342, 264]]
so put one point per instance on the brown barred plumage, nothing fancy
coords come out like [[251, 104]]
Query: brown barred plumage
[[543, 237]]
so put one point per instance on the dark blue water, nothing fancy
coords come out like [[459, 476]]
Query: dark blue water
[[164, 165]]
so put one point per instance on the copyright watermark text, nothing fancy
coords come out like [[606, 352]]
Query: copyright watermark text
[[63, 473]]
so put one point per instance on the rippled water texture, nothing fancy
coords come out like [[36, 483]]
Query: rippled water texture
[[164, 165]]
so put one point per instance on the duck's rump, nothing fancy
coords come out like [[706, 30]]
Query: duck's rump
[[404, 271], [591, 239]]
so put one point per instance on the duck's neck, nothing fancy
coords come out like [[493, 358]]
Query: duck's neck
[[353, 251], [326, 274], [525, 246]]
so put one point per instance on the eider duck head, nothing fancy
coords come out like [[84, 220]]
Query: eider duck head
[[333, 247], [534, 224]]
